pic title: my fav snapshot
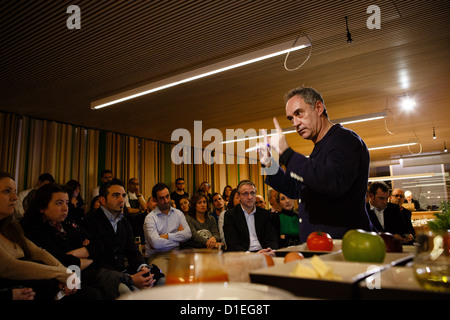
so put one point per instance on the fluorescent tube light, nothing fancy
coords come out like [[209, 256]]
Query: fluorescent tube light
[[393, 146], [402, 177], [259, 55]]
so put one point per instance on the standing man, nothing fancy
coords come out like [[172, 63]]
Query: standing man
[[165, 228], [332, 182], [179, 192], [248, 227]]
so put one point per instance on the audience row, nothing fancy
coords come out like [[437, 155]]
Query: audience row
[[122, 243]]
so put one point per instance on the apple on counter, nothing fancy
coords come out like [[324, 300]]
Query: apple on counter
[[362, 246]]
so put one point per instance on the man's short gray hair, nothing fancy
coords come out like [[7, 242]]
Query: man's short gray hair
[[309, 95]]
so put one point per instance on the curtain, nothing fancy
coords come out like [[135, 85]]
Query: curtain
[[30, 147]]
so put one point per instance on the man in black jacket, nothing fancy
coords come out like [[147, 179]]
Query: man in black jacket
[[386, 216], [248, 227], [116, 236]]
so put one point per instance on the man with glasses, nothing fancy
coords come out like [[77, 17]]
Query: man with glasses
[[398, 197], [248, 227]]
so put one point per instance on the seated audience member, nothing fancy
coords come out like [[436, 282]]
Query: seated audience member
[[409, 199], [204, 188], [108, 227], [48, 224], [274, 205], [234, 196], [286, 222], [165, 228], [398, 197], [386, 216], [179, 192], [184, 205], [136, 208], [260, 202], [16, 294], [94, 205], [24, 196], [218, 205], [248, 227], [203, 226], [77, 206], [18, 255], [226, 194], [151, 204], [105, 176], [135, 201]]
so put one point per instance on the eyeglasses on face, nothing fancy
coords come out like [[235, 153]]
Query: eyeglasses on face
[[246, 194]]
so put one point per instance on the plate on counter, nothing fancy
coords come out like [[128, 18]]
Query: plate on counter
[[211, 291], [391, 258], [396, 283], [303, 249], [350, 273]]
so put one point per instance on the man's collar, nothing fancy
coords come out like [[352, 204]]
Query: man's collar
[[374, 208], [245, 211], [110, 216]]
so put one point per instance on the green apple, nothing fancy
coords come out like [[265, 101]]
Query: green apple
[[362, 246]]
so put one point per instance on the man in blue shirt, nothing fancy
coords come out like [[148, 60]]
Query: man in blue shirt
[[331, 183], [165, 228]]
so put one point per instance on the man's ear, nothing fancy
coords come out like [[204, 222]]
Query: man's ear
[[319, 107], [102, 200]]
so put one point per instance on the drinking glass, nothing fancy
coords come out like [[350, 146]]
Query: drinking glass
[[196, 265]]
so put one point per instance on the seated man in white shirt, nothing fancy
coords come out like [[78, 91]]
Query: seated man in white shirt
[[165, 228]]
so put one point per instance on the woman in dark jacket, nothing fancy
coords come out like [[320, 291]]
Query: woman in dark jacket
[[47, 224]]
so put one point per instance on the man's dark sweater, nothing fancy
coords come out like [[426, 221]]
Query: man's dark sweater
[[331, 183]]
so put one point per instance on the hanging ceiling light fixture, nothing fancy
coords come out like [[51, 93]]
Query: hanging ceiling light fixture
[[243, 60], [349, 35]]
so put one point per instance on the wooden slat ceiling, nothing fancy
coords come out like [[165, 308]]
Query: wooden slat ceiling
[[51, 72]]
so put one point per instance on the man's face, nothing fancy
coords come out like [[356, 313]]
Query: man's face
[[218, 201], [180, 185], [260, 202], [397, 197], [379, 200], [106, 177], [247, 195], [115, 200], [205, 187], [133, 185], [163, 199], [151, 204], [304, 118]]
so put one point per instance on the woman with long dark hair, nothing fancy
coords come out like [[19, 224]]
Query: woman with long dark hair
[[203, 225]]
